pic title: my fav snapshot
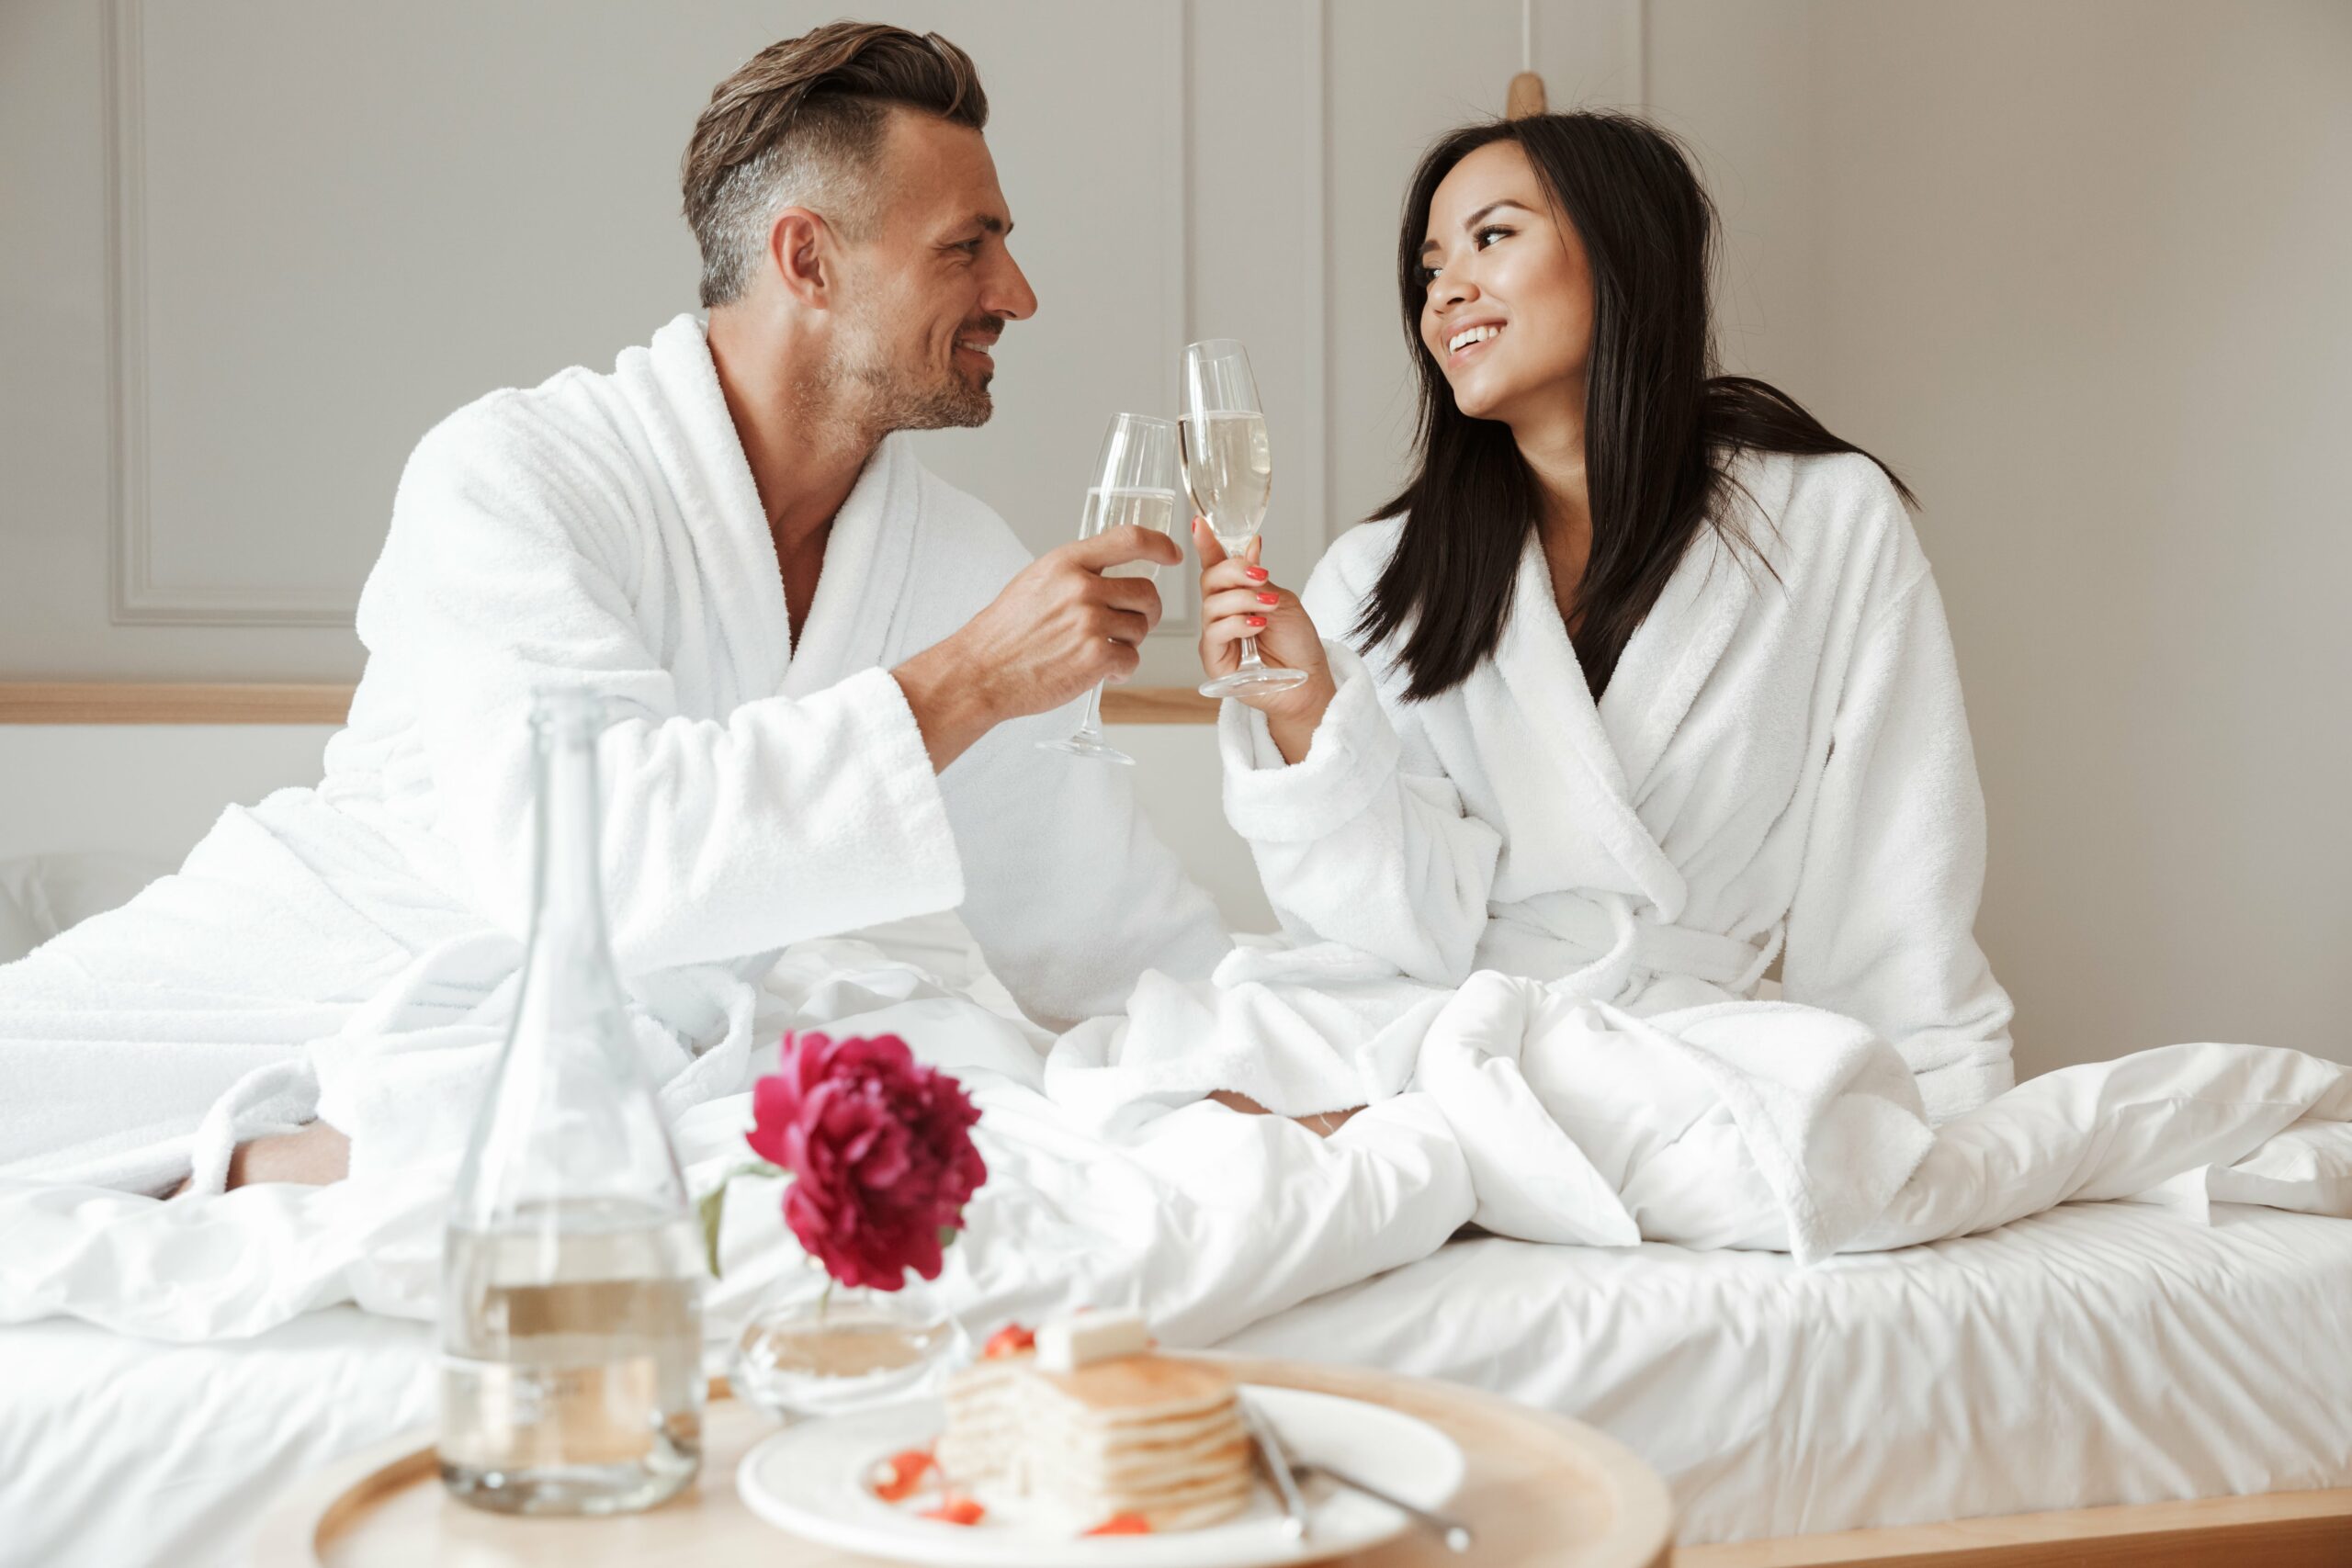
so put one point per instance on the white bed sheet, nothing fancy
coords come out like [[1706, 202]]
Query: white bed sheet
[[121, 1452], [2095, 1354], [2099, 1353]]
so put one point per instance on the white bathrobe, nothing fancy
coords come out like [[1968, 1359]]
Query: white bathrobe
[[350, 950], [1779, 766], [1550, 921], [1771, 755]]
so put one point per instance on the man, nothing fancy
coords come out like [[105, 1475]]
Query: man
[[813, 652]]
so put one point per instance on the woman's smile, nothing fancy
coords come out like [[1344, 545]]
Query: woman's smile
[[1464, 340]]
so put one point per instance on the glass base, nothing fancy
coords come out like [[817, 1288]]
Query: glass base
[[1085, 745], [580, 1489], [849, 1350], [1265, 677]]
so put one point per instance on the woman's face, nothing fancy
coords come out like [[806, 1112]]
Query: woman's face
[[1508, 310]]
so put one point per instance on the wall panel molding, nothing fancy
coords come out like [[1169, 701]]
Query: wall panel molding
[[1315, 155], [1179, 621], [135, 598]]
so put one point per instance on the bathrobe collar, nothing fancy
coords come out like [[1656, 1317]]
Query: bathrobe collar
[[1601, 758], [867, 554], [1681, 641], [868, 561]]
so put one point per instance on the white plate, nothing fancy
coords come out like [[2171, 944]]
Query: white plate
[[811, 1480]]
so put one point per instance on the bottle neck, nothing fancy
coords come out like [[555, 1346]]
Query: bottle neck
[[568, 905]]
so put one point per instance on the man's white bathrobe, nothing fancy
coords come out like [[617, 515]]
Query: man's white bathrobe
[[1779, 766], [350, 950]]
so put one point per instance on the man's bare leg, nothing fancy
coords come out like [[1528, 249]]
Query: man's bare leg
[[313, 1155], [1323, 1125]]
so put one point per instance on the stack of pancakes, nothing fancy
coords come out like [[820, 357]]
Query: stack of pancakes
[[1140, 1433]]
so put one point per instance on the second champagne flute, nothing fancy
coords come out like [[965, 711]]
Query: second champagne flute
[[1133, 482], [1230, 469]]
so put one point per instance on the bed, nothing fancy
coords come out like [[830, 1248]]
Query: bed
[[2100, 1354], [2185, 1382]]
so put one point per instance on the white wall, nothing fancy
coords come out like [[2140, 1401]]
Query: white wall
[[2076, 265], [2082, 269]]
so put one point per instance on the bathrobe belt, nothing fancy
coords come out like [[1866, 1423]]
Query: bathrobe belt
[[1616, 941]]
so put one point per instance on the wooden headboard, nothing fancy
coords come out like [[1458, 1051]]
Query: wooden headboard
[[117, 702]]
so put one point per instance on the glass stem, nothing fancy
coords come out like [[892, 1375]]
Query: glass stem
[[1091, 723], [1249, 659]]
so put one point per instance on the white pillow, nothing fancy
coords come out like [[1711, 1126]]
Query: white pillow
[[19, 932], [2308, 1167], [43, 895]]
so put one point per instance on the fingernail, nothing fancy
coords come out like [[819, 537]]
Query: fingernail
[[1270, 598], [1255, 573], [1257, 620]]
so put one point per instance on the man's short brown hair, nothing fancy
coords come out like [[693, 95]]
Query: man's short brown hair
[[801, 124]]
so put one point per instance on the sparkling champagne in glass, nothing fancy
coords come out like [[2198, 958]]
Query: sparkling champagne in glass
[[1134, 484], [1230, 469]]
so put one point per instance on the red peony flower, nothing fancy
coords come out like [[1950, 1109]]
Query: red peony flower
[[880, 1151]]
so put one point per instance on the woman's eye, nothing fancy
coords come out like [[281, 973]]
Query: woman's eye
[[1484, 242]]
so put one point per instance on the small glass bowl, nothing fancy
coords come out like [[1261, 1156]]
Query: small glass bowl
[[846, 1349]]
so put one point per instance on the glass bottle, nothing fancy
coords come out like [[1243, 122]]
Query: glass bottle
[[571, 1272]]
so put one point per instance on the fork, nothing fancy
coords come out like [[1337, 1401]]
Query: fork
[[1453, 1532]]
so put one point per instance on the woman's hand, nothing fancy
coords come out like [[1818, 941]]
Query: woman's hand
[[1239, 599]]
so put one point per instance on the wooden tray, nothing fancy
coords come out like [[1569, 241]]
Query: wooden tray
[[1540, 1489]]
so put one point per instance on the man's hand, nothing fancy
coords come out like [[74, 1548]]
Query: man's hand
[[1058, 628]]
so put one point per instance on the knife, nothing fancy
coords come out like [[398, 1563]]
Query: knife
[[1278, 1465]]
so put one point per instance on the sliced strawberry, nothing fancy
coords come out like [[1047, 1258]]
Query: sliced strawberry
[[958, 1509], [1122, 1524], [895, 1478], [1009, 1340]]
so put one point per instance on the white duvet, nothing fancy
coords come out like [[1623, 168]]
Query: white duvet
[[1208, 1221]]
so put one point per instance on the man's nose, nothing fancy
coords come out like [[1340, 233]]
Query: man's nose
[[1009, 298]]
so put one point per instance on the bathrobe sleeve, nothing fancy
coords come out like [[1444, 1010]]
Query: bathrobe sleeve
[[1068, 891], [1364, 841], [509, 564], [1882, 925]]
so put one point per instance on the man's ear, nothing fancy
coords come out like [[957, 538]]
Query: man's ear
[[801, 250]]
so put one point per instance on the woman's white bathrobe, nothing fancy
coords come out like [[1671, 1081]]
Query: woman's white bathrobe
[[1545, 922], [349, 949], [1778, 766]]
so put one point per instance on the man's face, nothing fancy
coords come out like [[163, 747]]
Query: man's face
[[929, 290]]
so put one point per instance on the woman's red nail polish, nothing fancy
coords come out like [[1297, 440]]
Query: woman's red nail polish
[[1257, 620], [1270, 598], [1256, 573]]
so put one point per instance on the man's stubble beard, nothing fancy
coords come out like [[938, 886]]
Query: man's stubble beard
[[893, 396]]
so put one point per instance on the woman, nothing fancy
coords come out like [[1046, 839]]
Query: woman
[[1641, 683]]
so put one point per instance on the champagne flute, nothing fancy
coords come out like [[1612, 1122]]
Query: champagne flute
[[1229, 469], [1134, 482]]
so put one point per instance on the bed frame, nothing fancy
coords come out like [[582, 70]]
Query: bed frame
[[2279, 1530], [2276, 1530]]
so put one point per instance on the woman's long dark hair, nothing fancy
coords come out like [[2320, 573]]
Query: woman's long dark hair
[[1661, 428]]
